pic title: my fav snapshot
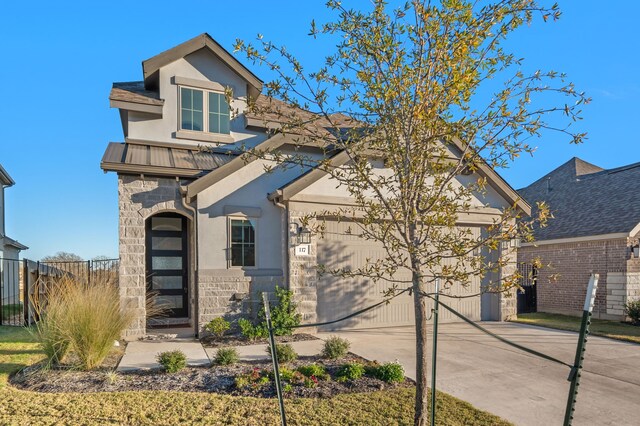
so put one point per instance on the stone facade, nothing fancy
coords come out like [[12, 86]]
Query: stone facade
[[303, 275], [562, 282], [232, 296], [621, 288], [138, 199], [508, 300]]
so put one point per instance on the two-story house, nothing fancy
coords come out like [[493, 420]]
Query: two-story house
[[9, 248], [205, 232]]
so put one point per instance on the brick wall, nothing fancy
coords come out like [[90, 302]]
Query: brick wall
[[573, 263]]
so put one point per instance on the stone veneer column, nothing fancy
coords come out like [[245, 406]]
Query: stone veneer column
[[621, 288], [303, 276], [139, 199], [509, 300]]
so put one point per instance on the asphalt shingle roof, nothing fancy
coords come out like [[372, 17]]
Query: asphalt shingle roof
[[587, 200]]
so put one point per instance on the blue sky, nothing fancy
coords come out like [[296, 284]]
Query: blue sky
[[60, 58]]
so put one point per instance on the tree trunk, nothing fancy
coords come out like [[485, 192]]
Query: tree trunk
[[422, 401]]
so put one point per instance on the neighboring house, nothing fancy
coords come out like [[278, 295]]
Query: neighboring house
[[9, 248], [206, 232], [595, 228]]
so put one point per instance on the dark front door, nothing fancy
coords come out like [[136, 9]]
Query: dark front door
[[167, 263]]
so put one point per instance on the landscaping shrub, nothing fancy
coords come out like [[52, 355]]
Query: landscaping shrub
[[250, 331], [350, 371], [172, 361], [226, 356], [335, 348], [50, 330], [83, 317], [389, 372], [314, 370], [284, 316], [217, 326], [254, 378], [632, 310], [285, 352]]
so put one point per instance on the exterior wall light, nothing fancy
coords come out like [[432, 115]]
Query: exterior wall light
[[513, 243], [304, 235]]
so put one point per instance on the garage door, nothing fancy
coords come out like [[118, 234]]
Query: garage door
[[338, 297]]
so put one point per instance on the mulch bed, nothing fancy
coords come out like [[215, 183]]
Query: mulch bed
[[237, 340], [216, 379]]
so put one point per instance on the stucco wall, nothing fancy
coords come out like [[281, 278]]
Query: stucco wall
[[200, 65]]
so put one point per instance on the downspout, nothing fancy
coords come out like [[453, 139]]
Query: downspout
[[196, 286], [285, 248]]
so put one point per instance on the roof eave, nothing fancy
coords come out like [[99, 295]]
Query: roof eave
[[151, 66], [211, 178], [135, 106], [5, 179], [13, 243], [137, 169]]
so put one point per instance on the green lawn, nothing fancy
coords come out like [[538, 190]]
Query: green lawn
[[611, 329], [171, 408]]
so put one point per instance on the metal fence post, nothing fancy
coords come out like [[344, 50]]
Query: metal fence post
[[274, 357], [574, 375], [25, 292]]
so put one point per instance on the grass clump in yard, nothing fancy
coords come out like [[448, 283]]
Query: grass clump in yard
[[632, 310], [82, 317], [314, 370], [350, 371], [390, 372], [218, 326], [172, 361], [335, 348], [284, 352], [611, 329], [226, 356]]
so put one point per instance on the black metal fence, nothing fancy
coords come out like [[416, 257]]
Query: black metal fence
[[25, 283]]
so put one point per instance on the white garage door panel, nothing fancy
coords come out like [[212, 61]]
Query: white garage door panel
[[338, 297]]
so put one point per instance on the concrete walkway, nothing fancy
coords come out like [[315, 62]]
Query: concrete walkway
[[259, 352], [141, 354], [515, 385]]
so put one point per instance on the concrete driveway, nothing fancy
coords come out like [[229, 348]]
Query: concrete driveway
[[517, 386]]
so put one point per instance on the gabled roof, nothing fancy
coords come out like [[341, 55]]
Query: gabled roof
[[587, 200], [161, 159], [5, 179], [303, 181], [151, 66]]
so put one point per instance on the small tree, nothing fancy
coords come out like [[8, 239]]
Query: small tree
[[406, 91]]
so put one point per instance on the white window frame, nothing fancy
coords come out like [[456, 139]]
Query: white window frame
[[254, 222], [205, 111]]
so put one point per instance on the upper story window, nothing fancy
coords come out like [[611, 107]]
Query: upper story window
[[201, 110], [242, 242]]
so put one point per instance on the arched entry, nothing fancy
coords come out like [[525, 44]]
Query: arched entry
[[167, 262]]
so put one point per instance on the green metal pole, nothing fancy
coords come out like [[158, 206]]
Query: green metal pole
[[274, 357], [574, 375], [434, 353]]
